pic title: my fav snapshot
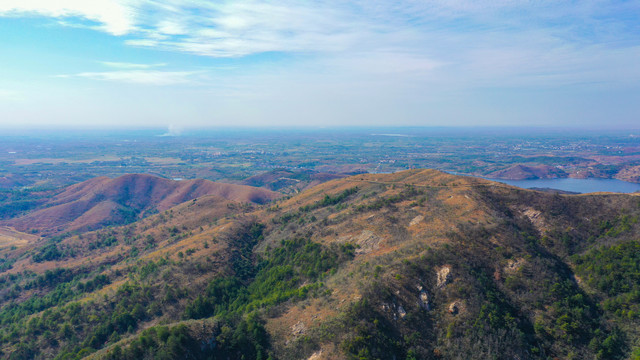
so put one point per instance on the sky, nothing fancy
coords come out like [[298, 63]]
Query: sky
[[181, 64]]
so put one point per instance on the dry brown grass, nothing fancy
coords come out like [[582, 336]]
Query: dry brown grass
[[95, 202], [10, 237]]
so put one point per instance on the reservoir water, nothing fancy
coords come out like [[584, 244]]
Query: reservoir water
[[576, 185]]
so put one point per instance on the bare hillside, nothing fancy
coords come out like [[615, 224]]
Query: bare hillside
[[103, 201]]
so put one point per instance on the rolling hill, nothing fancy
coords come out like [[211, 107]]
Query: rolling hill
[[103, 201], [417, 264]]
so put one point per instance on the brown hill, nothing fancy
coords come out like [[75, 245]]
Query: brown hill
[[103, 201], [524, 172]]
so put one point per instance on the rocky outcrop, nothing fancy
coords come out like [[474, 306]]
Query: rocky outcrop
[[443, 276]]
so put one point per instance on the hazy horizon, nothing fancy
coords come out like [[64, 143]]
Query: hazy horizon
[[189, 130]]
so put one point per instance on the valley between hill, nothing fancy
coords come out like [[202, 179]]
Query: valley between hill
[[417, 264]]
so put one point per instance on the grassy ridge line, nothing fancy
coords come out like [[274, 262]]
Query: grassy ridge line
[[490, 244]]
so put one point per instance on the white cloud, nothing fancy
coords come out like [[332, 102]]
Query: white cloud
[[232, 29], [169, 27], [143, 42], [245, 27], [116, 17], [142, 77]]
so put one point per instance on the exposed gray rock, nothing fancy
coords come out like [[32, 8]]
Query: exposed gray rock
[[443, 276]]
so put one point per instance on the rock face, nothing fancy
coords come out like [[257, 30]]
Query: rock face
[[424, 300], [443, 276], [398, 311], [536, 219], [367, 242]]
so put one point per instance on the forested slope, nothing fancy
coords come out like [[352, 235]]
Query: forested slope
[[412, 265]]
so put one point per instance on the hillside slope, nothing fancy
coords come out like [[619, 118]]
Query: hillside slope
[[413, 265], [523, 172], [288, 181], [103, 201]]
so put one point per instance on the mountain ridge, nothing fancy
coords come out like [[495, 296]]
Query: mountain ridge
[[418, 264]]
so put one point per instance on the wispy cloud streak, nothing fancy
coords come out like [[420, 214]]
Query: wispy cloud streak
[[142, 77], [125, 65]]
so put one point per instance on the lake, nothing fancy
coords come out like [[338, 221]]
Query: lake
[[576, 185]]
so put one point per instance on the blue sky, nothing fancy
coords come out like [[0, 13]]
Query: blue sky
[[319, 63]]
